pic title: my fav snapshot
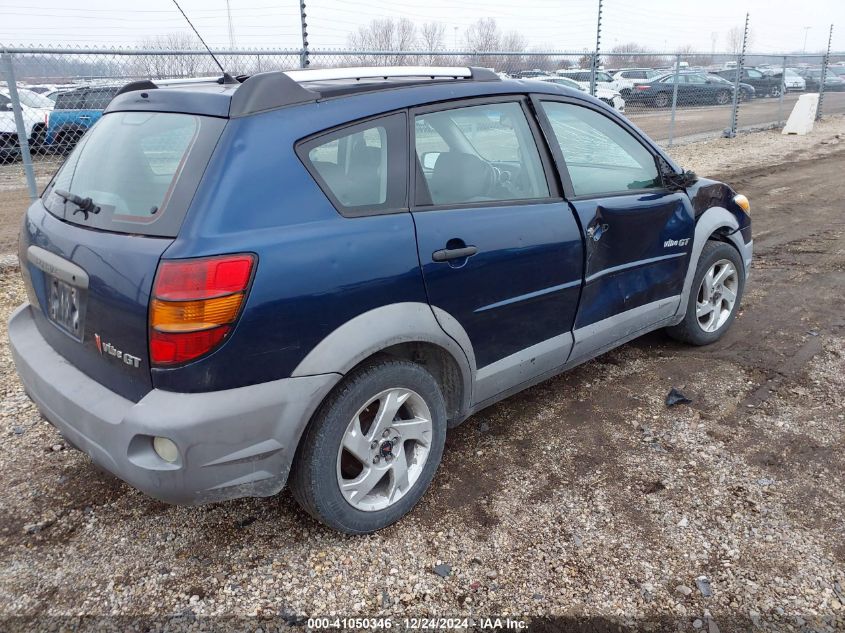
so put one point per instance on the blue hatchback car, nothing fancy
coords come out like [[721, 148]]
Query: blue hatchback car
[[307, 277]]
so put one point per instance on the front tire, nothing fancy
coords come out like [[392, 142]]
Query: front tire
[[723, 97], [715, 296], [372, 449]]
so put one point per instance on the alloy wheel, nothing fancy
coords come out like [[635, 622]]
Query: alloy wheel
[[384, 449], [717, 295]]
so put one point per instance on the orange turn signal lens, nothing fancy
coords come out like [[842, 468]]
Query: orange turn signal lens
[[742, 202], [192, 316]]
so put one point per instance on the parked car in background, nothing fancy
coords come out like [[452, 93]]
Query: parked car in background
[[35, 109], [75, 111], [813, 77], [629, 77], [764, 85], [792, 81], [608, 95], [746, 91], [529, 74], [583, 77], [53, 94], [693, 89], [9, 149]]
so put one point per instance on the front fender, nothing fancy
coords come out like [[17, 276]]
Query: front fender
[[712, 220]]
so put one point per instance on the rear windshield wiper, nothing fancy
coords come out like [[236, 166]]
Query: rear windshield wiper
[[83, 205]]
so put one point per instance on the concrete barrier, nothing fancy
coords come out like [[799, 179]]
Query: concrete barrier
[[803, 115]]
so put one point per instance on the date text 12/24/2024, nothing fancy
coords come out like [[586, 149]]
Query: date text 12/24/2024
[[423, 624]]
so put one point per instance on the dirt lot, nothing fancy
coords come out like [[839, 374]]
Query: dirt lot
[[583, 497]]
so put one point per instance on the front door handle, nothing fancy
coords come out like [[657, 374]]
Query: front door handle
[[447, 254]]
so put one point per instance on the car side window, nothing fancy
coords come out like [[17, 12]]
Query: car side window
[[361, 168], [98, 99], [475, 154], [696, 79], [69, 100], [601, 156]]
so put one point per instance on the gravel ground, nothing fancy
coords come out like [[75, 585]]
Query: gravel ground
[[584, 498]]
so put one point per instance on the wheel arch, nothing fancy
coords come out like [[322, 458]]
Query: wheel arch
[[720, 224], [403, 330]]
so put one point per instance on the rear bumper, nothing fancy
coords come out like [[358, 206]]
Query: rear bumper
[[233, 443]]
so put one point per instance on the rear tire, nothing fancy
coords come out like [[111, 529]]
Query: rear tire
[[715, 295], [372, 448], [662, 100]]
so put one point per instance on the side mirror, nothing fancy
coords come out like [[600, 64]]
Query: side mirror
[[683, 180], [8, 107], [429, 160]]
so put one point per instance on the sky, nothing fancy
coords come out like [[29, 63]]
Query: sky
[[568, 25]]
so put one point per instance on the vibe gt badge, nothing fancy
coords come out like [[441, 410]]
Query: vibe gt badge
[[671, 243], [107, 348]]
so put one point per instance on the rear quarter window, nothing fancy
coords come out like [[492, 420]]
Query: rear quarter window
[[363, 167]]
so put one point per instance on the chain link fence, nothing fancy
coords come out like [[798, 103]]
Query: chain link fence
[[50, 97]]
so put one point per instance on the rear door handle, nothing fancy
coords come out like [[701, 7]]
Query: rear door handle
[[447, 254]]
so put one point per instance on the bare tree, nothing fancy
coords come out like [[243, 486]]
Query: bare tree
[[432, 39], [688, 54], [387, 35], [484, 39], [734, 39], [513, 42], [177, 66], [585, 60], [633, 55]]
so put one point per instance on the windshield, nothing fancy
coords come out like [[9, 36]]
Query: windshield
[[129, 164], [33, 99]]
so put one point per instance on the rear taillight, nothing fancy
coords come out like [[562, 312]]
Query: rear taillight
[[195, 303], [641, 87]]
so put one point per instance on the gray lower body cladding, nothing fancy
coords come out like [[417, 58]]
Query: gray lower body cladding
[[234, 443]]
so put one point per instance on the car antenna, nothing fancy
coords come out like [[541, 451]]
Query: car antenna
[[226, 77]]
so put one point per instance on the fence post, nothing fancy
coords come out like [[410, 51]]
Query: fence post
[[740, 62], [23, 136], [594, 66], [825, 64], [303, 55], [782, 91], [674, 98]]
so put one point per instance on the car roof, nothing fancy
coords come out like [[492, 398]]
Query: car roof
[[234, 97]]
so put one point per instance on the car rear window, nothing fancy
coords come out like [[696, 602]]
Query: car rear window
[[140, 169]]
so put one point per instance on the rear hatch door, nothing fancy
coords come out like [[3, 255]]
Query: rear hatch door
[[90, 247]]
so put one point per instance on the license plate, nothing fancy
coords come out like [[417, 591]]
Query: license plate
[[64, 307]]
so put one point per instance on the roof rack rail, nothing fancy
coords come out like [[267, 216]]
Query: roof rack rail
[[390, 72], [279, 88], [276, 89]]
